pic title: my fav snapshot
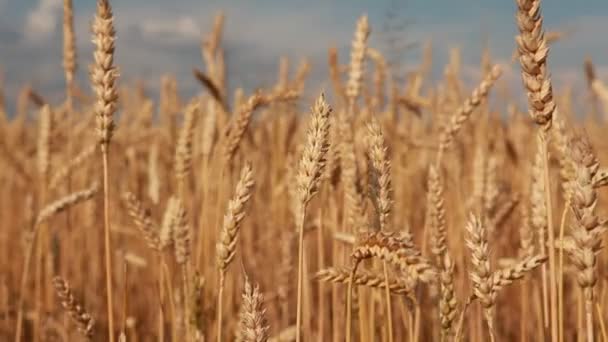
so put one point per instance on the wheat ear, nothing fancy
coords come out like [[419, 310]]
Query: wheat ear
[[84, 320], [226, 247], [463, 113], [253, 326], [46, 213], [310, 171], [587, 230], [103, 77]]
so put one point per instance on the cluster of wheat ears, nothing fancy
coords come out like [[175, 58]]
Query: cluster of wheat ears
[[414, 214]]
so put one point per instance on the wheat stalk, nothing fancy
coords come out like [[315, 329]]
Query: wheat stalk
[[226, 247], [45, 213], [103, 78], [310, 171], [587, 230]]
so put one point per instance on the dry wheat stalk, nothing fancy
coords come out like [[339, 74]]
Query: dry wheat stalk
[[235, 213], [447, 300], [380, 189], [354, 200], [103, 78], [226, 247], [334, 73], [47, 212], [285, 269], [153, 176], [83, 319], [45, 123], [490, 188], [380, 75], [538, 219], [526, 235], [308, 179]]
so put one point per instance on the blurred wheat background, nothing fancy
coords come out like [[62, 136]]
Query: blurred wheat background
[[292, 172]]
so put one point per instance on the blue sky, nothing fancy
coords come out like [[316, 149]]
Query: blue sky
[[157, 37]]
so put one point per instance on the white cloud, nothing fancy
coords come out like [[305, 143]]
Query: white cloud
[[181, 27], [42, 20]]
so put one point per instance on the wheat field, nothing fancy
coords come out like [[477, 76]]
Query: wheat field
[[371, 210]]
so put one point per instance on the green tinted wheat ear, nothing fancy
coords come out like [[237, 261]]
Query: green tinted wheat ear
[[103, 72], [226, 246], [82, 319], [309, 174], [533, 52]]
